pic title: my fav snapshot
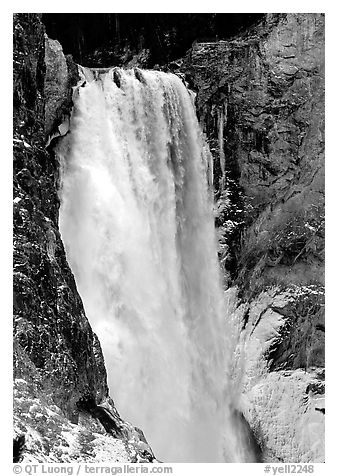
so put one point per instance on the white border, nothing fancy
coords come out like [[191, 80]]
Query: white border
[[331, 177]]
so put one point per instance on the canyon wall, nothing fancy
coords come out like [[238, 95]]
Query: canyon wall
[[61, 399], [260, 100]]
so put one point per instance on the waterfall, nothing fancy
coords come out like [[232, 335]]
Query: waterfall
[[222, 120], [136, 220]]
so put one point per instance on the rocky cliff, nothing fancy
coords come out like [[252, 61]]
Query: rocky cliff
[[260, 100], [61, 400]]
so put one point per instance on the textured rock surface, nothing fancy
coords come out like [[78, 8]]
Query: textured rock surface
[[60, 75], [57, 358], [51, 330], [260, 99], [279, 372], [264, 95], [51, 437]]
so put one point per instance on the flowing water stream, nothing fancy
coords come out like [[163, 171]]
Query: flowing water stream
[[136, 220]]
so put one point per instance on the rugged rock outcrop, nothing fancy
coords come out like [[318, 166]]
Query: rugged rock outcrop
[[58, 362], [260, 99], [60, 75]]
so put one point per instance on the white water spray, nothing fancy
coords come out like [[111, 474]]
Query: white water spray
[[136, 220]]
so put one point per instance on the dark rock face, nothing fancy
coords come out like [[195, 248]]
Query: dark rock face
[[18, 448], [302, 341], [51, 330], [264, 93], [260, 100], [138, 39], [57, 358]]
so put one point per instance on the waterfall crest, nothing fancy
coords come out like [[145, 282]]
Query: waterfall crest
[[136, 220]]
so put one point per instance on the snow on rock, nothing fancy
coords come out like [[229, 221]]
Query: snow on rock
[[51, 437], [281, 387]]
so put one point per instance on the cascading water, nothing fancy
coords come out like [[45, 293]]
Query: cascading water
[[136, 219]]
